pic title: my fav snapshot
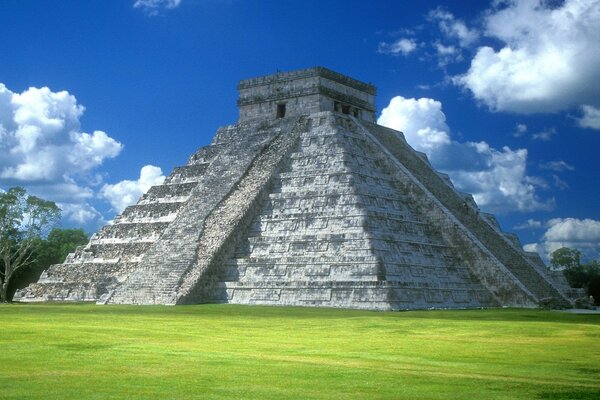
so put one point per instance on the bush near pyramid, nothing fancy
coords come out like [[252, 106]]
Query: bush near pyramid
[[305, 201]]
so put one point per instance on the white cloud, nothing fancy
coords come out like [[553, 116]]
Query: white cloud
[[125, 193], [558, 166], [454, 28], [445, 50], [422, 121], [582, 234], [573, 231], [590, 118], [496, 178], [549, 60], [530, 224], [401, 46], [80, 213], [43, 148], [536, 248], [502, 183], [41, 137], [559, 183], [447, 54], [456, 37], [153, 7], [546, 135], [520, 130]]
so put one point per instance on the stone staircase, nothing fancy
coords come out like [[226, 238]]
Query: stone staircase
[[158, 278]]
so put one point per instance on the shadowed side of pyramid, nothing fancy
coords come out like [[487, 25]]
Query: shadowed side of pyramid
[[305, 201]]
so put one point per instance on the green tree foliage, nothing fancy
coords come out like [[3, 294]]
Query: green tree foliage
[[564, 258], [591, 272], [58, 244], [24, 219], [578, 275], [46, 252]]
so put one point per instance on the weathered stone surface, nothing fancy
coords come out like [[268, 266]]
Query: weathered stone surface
[[306, 201]]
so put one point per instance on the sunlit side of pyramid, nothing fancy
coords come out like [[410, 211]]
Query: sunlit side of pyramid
[[305, 201]]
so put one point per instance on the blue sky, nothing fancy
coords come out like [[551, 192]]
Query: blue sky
[[100, 99]]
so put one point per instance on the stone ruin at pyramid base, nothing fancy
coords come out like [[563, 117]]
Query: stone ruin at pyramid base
[[306, 202]]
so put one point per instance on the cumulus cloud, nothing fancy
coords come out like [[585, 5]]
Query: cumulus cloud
[[573, 232], [422, 121], [43, 148], [125, 193], [582, 234], [401, 46], [548, 61], [590, 118], [153, 7], [41, 138], [497, 178]]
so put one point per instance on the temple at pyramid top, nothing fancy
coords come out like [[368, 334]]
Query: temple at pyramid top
[[306, 91]]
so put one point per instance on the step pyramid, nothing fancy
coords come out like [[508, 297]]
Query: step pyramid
[[305, 201]]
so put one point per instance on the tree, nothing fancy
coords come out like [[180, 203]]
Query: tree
[[592, 284], [58, 244], [578, 275], [23, 220], [564, 258], [46, 252]]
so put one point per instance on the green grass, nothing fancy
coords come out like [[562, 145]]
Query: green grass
[[77, 351]]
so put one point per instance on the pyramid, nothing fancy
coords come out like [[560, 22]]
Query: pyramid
[[305, 201]]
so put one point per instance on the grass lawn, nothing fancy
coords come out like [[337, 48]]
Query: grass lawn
[[82, 351]]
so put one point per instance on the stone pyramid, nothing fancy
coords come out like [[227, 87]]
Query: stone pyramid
[[305, 201]]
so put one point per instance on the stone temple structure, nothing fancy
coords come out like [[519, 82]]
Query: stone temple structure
[[305, 201]]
